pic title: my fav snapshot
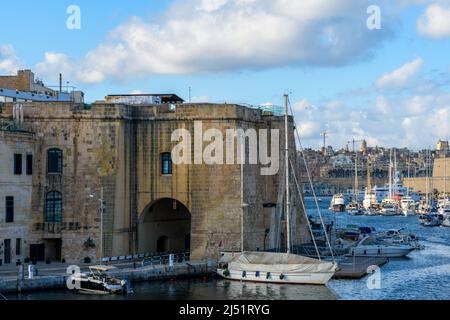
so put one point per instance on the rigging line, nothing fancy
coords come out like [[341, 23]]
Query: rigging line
[[304, 210], [311, 185]]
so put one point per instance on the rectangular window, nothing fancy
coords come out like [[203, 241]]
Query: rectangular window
[[9, 209], [7, 251], [18, 247], [166, 163], [17, 164], [29, 164]]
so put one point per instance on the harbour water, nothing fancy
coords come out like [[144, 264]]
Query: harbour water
[[424, 274]]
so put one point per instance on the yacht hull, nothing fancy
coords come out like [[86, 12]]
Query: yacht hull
[[381, 252], [287, 278]]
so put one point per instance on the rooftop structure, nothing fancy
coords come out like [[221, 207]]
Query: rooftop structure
[[24, 88]]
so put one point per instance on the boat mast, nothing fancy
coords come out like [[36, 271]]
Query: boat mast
[[390, 174], [394, 175], [286, 157], [407, 185], [369, 184], [427, 173], [356, 172], [242, 192], [445, 172]]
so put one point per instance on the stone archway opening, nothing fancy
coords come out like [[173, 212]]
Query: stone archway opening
[[165, 226]]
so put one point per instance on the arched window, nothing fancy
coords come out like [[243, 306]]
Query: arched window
[[53, 207], [166, 163], [54, 161]]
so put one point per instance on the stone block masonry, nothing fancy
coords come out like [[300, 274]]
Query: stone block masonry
[[118, 148]]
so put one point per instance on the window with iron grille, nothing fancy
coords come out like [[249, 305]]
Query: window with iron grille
[[53, 207]]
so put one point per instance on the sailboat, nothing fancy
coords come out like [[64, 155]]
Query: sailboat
[[390, 204], [407, 203], [276, 267], [370, 202], [354, 208]]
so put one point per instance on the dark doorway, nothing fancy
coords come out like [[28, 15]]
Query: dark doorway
[[53, 249], [37, 252], [162, 244], [165, 226], [7, 251]]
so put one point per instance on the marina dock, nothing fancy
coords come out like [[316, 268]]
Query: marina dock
[[356, 267]]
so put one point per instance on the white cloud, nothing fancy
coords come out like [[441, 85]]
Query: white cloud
[[9, 62], [201, 36], [419, 104], [401, 76], [382, 105], [301, 105], [417, 122], [435, 21]]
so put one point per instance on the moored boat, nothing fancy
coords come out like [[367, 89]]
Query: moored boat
[[337, 203], [99, 281], [275, 268], [370, 247]]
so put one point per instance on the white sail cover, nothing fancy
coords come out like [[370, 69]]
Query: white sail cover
[[275, 262]]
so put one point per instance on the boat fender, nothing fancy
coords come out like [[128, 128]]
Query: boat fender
[[379, 251], [257, 274], [268, 275], [365, 252], [226, 273], [281, 276], [244, 274]]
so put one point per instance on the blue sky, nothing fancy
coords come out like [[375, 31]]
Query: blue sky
[[389, 86]]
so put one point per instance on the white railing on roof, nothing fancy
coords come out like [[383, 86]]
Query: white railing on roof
[[275, 110]]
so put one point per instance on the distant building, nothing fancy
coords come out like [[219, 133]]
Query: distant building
[[24, 88], [16, 168], [134, 99], [363, 148], [341, 160], [442, 148]]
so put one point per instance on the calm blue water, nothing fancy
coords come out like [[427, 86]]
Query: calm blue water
[[424, 274]]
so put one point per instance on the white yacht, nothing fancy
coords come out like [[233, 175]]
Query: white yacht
[[389, 207], [443, 204], [337, 203], [408, 206], [275, 268], [446, 221], [369, 247], [99, 281]]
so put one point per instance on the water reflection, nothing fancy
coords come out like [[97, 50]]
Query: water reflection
[[196, 289]]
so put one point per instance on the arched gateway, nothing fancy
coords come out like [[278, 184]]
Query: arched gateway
[[165, 225]]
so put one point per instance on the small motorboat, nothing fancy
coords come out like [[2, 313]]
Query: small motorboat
[[432, 220], [371, 247], [355, 209], [99, 281]]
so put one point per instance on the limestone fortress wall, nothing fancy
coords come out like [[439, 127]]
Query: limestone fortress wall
[[118, 149]]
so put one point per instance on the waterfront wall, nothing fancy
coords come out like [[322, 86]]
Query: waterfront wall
[[148, 273]]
